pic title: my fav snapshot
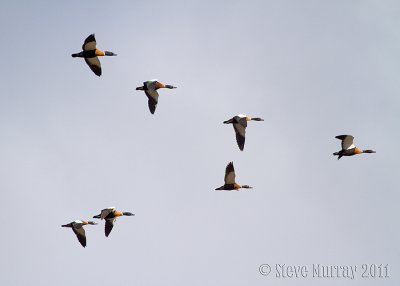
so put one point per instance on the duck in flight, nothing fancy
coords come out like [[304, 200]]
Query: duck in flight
[[90, 53], [150, 89], [239, 123], [77, 227], [110, 215], [348, 148], [230, 183]]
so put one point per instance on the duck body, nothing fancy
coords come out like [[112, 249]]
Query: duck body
[[229, 187], [90, 53], [348, 148], [110, 214], [239, 123], [77, 227], [150, 88], [229, 179]]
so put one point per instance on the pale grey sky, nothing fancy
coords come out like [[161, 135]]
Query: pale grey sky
[[73, 143]]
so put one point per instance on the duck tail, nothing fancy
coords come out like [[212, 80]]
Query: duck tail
[[339, 154]]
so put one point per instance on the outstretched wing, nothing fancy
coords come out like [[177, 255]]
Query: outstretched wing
[[347, 141], [151, 84], [152, 95], [109, 226], [80, 234], [240, 130], [104, 213], [89, 44], [94, 64], [229, 174]]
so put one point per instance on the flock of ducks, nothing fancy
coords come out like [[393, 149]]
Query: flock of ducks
[[90, 53], [108, 214]]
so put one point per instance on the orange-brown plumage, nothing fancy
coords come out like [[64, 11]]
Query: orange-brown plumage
[[160, 85], [236, 186], [117, 213], [99, 53], [358, 150]]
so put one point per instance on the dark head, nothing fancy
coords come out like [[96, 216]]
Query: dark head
[[169, 86], [107, 53], [246, 187], [140, 88], [220, 188], [128, 214], [369, 151], [257, 119]]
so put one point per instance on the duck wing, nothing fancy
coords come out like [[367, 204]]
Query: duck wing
[[80, 233], [109, 226], [94, 64], [347, 141], [229, 174], [240, 130], [90, 43], [152, 95], [104, 213]]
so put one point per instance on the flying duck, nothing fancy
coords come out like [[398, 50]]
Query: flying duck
[[90, 53], [230, 183], [348, 148], [150, 89], [239, 125], [77, 227], [110, 215]]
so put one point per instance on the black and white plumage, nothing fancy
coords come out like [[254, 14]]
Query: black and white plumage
[[239, 123], [150, 88], [90, 53], [77, 227], [348, 148], [230, 180], [110, 214]]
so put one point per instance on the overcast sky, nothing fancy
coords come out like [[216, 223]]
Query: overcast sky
[[72, 143]]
